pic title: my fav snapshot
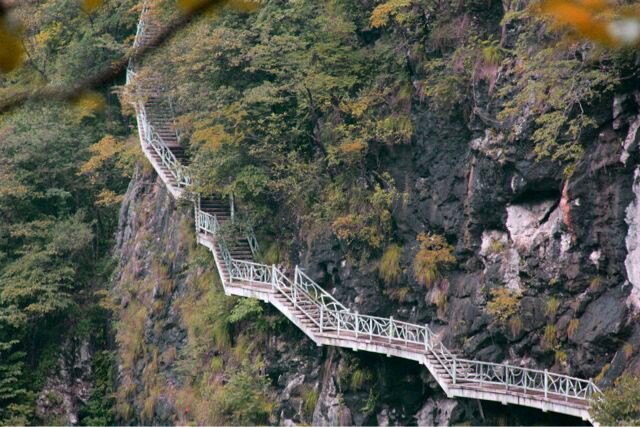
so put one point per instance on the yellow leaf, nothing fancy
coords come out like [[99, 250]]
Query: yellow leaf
[[108, 198], [101, 152], [244, 5], [88, 103], [90, 5], [193, 5], [381, 14], [11, 49], [353, 147], [597, 20]]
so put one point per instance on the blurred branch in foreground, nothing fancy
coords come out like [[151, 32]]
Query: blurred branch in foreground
[[610, 24], [12, 52]]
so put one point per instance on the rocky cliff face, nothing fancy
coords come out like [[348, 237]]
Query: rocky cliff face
[[154, 282], [565, 250], [514, 221], [567, 246]]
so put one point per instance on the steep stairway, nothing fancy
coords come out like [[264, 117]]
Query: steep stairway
[[316, 312]]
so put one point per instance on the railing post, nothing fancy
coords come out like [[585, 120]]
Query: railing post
[[295, 294], [233, 208], [426, 338], [453, 373], [390, 327], [524, 380], [506, 375], [338, 320], [546, 383], [589, 392], [357, 316], [273, 277], [321, 317]]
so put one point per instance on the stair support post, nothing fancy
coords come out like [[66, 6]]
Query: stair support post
[[453, 373]]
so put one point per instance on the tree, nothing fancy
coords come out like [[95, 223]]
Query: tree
[[620, 404]]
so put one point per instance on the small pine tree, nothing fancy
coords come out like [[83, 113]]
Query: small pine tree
[[15, 399]]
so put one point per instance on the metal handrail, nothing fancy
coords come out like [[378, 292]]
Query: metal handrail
[[153, 139], [333, 318]]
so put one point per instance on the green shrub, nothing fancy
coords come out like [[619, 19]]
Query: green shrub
[[245, 309], [398, 294], [561, 357], [310, 396], [602, 373], [389, 267], [497, 246], [371, 404], [245, 398], [549, 337], [552, 307], [435, 254], [359, 377], [620, 404], [504, 304], [272, 255], [99, 409]]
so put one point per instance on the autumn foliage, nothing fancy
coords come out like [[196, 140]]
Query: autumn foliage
[[598, 20], [434, 256]]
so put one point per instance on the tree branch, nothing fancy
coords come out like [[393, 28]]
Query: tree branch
[[108, 74]]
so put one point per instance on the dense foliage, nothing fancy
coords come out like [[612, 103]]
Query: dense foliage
[[290, 108], [57, 224], [620, 404]]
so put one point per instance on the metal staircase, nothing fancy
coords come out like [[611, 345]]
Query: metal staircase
[[316, 312]]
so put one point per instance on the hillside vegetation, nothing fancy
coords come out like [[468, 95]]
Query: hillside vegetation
[[351, 134]]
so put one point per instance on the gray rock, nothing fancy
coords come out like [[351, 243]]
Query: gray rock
[[602, 320]]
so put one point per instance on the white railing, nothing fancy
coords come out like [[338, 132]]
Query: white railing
[[253, 243], [252, 272], [333, 319], [141, 25], [523, 379], [206, 223], [153, 139], [317, 293]]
